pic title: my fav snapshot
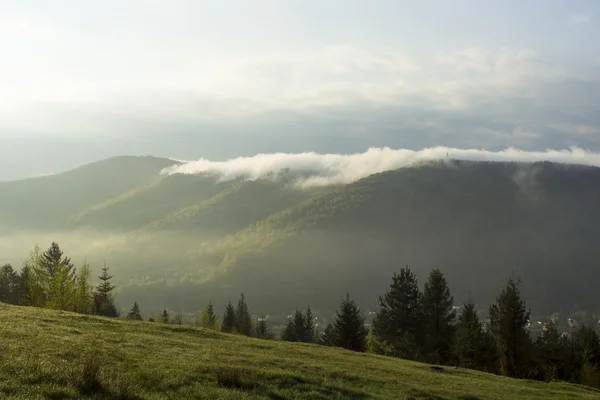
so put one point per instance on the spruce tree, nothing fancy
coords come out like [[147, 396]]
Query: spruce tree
[[54, 262], [552, 350], [262, 332], [229, 319], [590, 356], [208, 319], [10, 287], [103, 297], [84, 298], [473, 347], [243, 317], [134, 314], [289, 332], [328, 336], [165, 319], [438, 318], [300, 326], [508, 323], [349, 326], [309, 326], [397, 324], [25, 281]]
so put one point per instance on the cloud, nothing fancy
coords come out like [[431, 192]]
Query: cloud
[[315, 170], [579, 19]]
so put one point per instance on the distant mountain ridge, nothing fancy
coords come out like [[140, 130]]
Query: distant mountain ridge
[[191, 238]]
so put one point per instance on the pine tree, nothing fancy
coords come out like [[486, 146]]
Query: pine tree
[[349, 326], [473, 347], [590, 356], [54, 262], [25, 281], [438, 317], [103, 297], [328, 336], [552, 351], [229, 319], [289, 332], [84, 298], [37, 281], [397, 324], [309, 326], [10, 285], [134, 314], [508, 324], [243, 318], [208, 319], [165, 319], [262, 332], [300, 326]]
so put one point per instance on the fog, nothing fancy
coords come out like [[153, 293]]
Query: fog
[[318, 170]]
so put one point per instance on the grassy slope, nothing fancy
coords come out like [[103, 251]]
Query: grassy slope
[[43, 353]]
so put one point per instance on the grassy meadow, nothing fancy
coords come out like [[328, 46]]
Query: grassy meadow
[[47, 354]]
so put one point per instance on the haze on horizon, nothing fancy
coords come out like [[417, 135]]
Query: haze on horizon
[[216, 80]]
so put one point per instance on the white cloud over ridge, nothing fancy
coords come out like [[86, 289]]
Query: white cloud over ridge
[[317, 170]]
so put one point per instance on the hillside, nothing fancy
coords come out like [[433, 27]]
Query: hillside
[[181, 240], [50, 354]]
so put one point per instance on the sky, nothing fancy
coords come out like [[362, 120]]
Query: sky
[[82, 81]]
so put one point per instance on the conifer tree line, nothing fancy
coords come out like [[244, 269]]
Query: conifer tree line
[[49, 279]]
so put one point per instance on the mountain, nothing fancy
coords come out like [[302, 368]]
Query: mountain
[[180, 240], [86, 357]]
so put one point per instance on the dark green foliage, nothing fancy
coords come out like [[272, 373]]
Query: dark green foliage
[[309, 326], [54, 262], [438, 319], [24, 285], [134, 314], [473, 347], [590, 356], [230, 323], [349, 326], [552, 351], [165, 317], [243, 317], [208, 319], [328, 337], [398, 322], [262, 331], [10, 285], [103, 297], [289, 332], [508, 323]]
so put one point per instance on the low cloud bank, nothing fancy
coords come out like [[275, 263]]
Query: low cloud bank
[[316, 169]]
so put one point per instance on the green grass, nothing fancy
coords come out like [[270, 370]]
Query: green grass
[[58, 355]]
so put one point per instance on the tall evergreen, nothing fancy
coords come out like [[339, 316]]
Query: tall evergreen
[[262, 332], [473, 346], [243, 317], [134, 314], [229, 319], [10, 285], [84, 298], [552, 350], [438, 318], [289, 333], [328, 338], [309, 326], [300, 326], [397, 325], [165, 318], [590, 356], [349, 326], [55, 262], [508, 323], [103, 297], [25, 281], [208, 319]]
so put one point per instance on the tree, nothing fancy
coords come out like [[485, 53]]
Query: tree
[[508, 323], [229, 319], [473, 347], [552, 350], [35, 279], [397, 324], [208, 319], [134, 314], [309, 326], [54, 262], [262, 331], [84, 298], [289, 333], [438, 317], [299, 322], [328, 336], [103, 297], [10, 288], [590, 357], [165, 317], [243, 318], [349, 326], [25, 282]]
